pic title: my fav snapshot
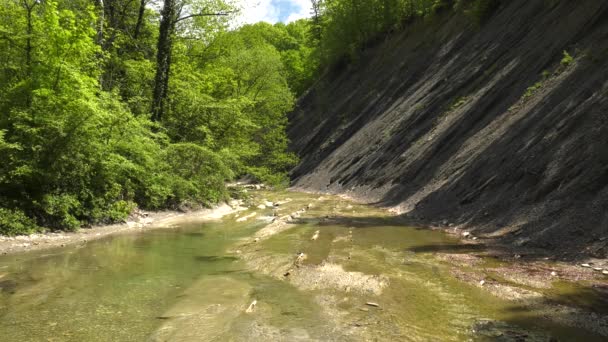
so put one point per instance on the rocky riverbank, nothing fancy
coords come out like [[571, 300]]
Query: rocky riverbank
[[341, 256], [138, 222]]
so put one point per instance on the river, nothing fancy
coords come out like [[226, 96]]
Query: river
[[365, 278]]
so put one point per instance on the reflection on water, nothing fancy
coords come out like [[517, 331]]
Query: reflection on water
[[183, 285], [108, 290]]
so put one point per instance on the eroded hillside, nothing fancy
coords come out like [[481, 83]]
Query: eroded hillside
[[492, 128]]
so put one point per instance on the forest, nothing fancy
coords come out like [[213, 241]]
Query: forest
[[111, 105]]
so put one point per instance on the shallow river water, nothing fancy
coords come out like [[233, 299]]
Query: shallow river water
[[195, 282]]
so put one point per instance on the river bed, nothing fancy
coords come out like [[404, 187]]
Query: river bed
[[364, 277]]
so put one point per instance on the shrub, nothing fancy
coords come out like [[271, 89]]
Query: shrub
[[532, 89], [567, 59], [482, 10], [199, 174], [62, 211], [15, 222]]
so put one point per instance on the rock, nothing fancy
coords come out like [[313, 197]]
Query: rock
[[245, 218], [251, 306], [605, 272], [553, 274], [300, 259], [466, 234], [269, 204], [586, 265], [599, 269], [376, 305], [261, 206], [482, 283], [315, 236]]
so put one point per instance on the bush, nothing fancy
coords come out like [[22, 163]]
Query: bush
[[15, 222], [199, 174], [567, 59], [482, 10], [61, 210]]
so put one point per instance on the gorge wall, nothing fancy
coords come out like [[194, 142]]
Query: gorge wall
[[488, 128]]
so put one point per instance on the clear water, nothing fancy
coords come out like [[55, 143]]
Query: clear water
[[187, 284]]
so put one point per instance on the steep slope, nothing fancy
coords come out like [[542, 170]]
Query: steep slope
[[482, 127]]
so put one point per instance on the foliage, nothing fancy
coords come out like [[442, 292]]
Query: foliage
[[201, 173], [14, 222], [530, 91], [346, 27], [567, 59], [76, 140], [481, 10]]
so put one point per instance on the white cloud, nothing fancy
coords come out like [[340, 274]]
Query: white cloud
[[253, 11], [304, 8]]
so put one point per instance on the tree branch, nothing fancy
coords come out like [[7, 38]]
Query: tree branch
[[203, 15]]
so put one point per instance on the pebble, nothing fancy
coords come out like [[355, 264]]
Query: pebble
[[251, 306], [482, 283], [605, 272], [376, 305], [586, 265], [553, 273], [599, 269]]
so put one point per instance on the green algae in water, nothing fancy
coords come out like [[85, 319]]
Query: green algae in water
[[184, 285]]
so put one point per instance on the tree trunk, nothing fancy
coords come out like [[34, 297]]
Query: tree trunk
[[99, 8], [140, 19], [316, 19], [29, 7], [163, 59]]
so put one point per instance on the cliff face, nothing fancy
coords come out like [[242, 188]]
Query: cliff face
[[484, 127]]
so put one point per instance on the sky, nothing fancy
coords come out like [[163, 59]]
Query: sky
[[273, 11]]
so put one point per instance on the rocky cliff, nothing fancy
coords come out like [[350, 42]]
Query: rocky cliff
[[494, 128]]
